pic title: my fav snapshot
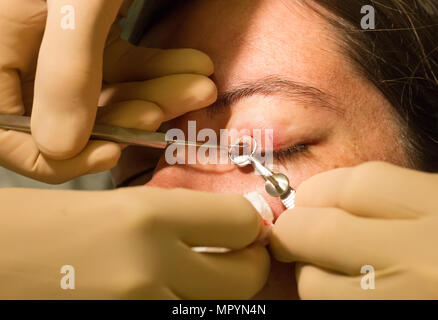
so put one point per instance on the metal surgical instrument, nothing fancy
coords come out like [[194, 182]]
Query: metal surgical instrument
[[136, 137], [276, 184]]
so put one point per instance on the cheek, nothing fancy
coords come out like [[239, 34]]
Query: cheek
[[234, 181]]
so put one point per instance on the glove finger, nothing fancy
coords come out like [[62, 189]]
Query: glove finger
[[124, 62], [155, 293], [21, 27], [374, 189], [334, 239], [68, 79], [235, 275], [19, 153], [135, 114], [10, 88], [315, 283], [200, 219], [175, 94]]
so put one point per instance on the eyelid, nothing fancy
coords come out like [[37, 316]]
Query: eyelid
[[291, 152]]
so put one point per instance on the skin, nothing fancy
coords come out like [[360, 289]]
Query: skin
[[255, 39]]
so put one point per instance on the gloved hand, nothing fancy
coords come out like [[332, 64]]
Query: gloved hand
[[68, 82], [374, 215], [129, 243]]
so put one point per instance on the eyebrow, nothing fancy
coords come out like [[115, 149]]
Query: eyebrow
[[275, 85]]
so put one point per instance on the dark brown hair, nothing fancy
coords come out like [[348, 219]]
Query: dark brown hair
[[400, 57]]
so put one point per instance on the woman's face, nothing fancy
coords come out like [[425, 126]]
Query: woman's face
[[279, 66]]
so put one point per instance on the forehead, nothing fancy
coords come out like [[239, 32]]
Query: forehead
[[250, 39]]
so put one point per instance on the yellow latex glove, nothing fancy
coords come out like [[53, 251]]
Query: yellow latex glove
[[375, 215], [129, 243], [67, 79]]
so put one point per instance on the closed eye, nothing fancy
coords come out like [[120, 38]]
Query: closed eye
[[289, 153]]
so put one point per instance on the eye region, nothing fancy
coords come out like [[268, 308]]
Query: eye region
[[290, 153]]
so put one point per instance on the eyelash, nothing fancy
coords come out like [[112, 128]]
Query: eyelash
[[290, 152]]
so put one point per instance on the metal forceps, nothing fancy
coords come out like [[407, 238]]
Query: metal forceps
[[276, 184], [136, 137]]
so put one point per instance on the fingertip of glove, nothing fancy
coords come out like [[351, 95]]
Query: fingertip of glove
[[57, 148], [150, 117], [200, 61], [186, 61], [104, 156], [210, 95], [203, 89]]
